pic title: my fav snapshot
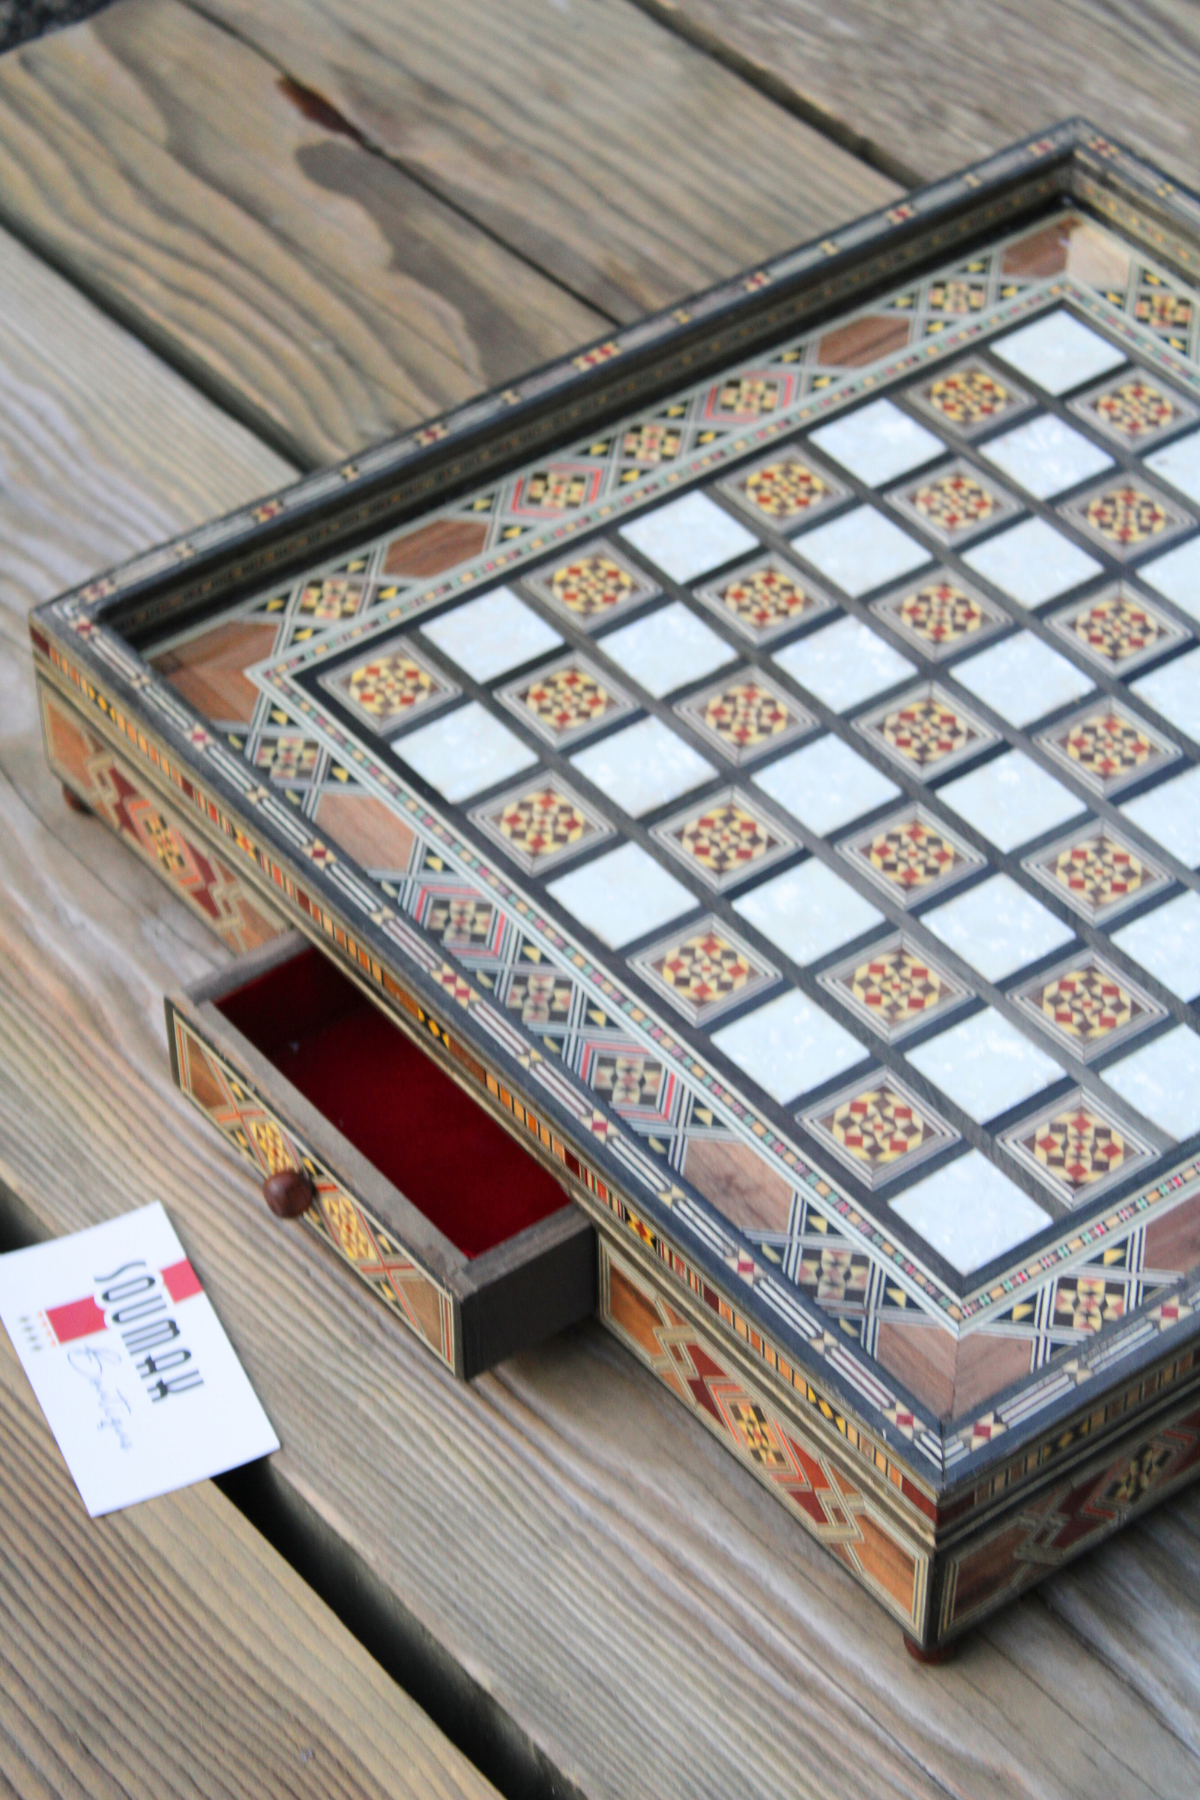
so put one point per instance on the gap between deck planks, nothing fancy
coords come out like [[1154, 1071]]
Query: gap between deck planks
[[170, 1650], [326, 295], [636, 1612], [612, 154], [920, 90], [321, 293]]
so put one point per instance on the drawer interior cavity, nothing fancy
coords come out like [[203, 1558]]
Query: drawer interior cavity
[[419, 1128]]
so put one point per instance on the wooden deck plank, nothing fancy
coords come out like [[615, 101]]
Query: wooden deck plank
[[96, 427], [602, 1573], [611, 153], [317, 289], [924, 90], [169, 1650]]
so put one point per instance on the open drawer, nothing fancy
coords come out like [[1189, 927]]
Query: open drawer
[[357, 1130]]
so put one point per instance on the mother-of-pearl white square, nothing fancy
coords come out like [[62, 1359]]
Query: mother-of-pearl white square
[[825, 785], [860, 550], [985, 1064], [877, 442], [464, 752], [808, 911], [1179, 463], [970, 1212], [491, 635], [1032, 562], [844, 664], [1046, 456], [688, 536], [1170, 813], [1058, 352], [1011, 800], [1022, 678], [622, 895], [1177, 575], [997, 927], [1162, 1080], [642, 767], [789, 1046], [1167, 942], [666, 649], [1174, 691]]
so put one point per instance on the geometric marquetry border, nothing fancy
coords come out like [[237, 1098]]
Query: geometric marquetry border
[[818, 1489], [114, 791], [1053, 1527]]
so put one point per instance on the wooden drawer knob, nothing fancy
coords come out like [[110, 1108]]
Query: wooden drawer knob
[[288, 1193]]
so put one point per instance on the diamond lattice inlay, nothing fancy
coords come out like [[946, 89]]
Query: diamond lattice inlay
[[1096, 872], [784, 490], [725, 839], [941, 616], [1107, 748], [391, 687], [953, 504], [969, 397], [592, 586], [879, 1129], [1126, 517], [911, 855], [1088, 1005], [336, 597], [894, 988], [567, 701], [1135, 411], [746, 715], [1076, 1148], [652, 443], [288, 757], [704, 969], [765, 600], [541, 823], [1118, 630], [927, 732]]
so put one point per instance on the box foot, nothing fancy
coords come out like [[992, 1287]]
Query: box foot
[[74, 802], [936, 1653]]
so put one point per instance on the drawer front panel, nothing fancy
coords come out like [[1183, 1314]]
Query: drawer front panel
[[339, 1219], [121, 799], [821, 1492]]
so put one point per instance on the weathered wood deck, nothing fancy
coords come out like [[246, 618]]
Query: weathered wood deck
[[256, 234]]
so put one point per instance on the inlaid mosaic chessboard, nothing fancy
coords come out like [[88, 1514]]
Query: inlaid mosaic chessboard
[[805, 773], [777, 800]]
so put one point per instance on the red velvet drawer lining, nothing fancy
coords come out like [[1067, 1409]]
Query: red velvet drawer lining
[[396, 1106]]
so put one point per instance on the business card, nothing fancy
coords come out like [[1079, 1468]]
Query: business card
[[129, 1362]]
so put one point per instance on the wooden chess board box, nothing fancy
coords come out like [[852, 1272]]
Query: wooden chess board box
[[710, 834]]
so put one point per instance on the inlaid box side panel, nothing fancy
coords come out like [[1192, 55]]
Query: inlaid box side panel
[[1055, 1526], [122, 800], [819, 1491], [258, 1134]]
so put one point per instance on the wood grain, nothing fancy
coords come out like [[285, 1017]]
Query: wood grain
[[169, 1650], [316, 289], [95, 430], [607, 150], [924, 89], [603, 1575]]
